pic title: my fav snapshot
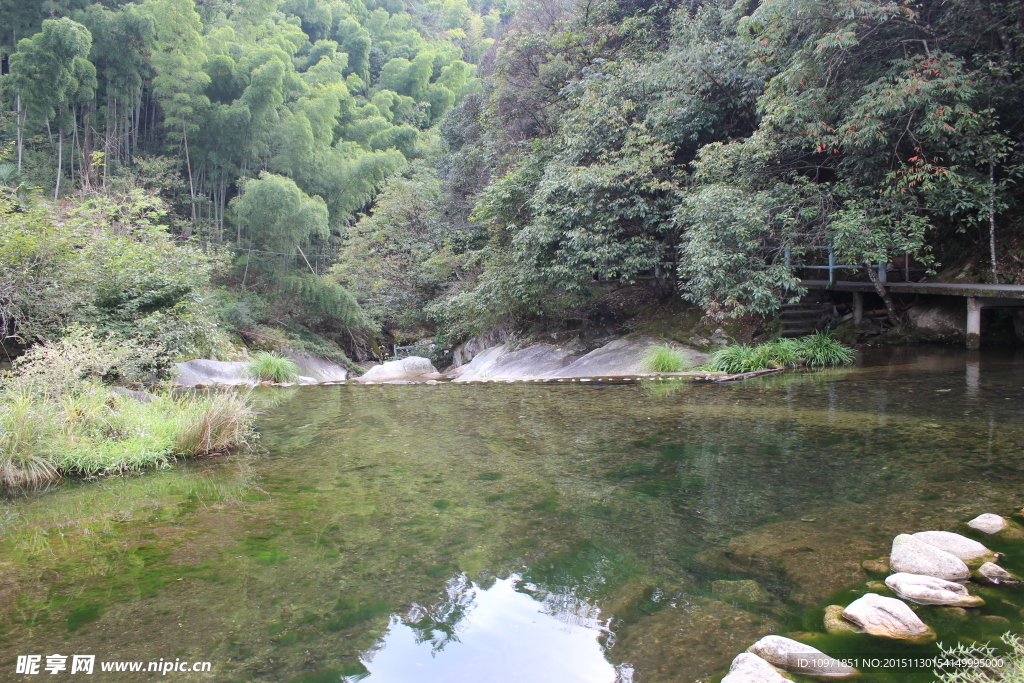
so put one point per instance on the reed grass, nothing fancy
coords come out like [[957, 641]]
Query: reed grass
[[267, 366], [664, 358], [816, 350]]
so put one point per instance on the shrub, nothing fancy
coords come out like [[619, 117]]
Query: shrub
[[268, 366], [664, 358]]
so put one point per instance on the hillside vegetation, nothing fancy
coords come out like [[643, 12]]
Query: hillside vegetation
[[348, 171]]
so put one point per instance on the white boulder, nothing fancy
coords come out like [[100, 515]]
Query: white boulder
[[995, 575], [988, 523], [749, 668], [968, 550], [792, 655], [914, 556], [887, 618], [413, 366], [928, 590]]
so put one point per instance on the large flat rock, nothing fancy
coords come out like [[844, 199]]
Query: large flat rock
[[405, 368], [536, 360], [622, 357], [320, 369], [618, 358], [205, 371]]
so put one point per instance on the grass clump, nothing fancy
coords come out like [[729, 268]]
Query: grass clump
[[816, 350], [267, 366], [57, 416], [665, 358]]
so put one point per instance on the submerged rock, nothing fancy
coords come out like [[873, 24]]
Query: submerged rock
[[835, 623], [879, 566], [749, 668], [928, 590], [888, 618], [968, 550], [994, 575], [957, 613], [988, 523], [746, 590], [914, 556], [792, 655]]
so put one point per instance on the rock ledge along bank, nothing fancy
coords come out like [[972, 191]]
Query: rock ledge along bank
[[931, 568]]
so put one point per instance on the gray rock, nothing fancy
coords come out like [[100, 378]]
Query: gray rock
[[928, 590], [206, 372], [887, 618], [914, 556], [968, 550], [792, 655], [536, 360], [317, 369], [749, 668], [464, 353], [621, 357], [879, 566], [413, 366], [719, 337], [994, 575], [988, 523], [835, 623], [746, 590], [140, 396]]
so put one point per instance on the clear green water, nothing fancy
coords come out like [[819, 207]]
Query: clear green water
[[523, 532]]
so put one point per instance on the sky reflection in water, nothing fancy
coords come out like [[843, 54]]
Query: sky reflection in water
[[499, 634]]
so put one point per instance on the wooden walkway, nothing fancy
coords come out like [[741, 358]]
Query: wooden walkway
[[936, 288], [978, 296]]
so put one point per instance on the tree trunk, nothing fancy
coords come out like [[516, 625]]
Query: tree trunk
[[894, 317], [87, 170], [60, 160], [992, 220], [17, 119], [191, 184]]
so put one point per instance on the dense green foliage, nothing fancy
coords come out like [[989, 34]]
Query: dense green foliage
[[441, 166], [705, 148], [107, 265], [266, 126], [816, 350]]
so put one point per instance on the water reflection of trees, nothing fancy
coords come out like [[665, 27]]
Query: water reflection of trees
[[439, 623]]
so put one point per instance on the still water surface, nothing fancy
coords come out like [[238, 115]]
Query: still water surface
[[524, 532]]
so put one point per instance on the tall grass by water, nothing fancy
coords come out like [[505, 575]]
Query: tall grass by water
[[816, 350], [267, 366], [57, 417], [664, 358]]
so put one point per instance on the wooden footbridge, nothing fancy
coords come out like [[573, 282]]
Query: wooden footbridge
[[978, 296]]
